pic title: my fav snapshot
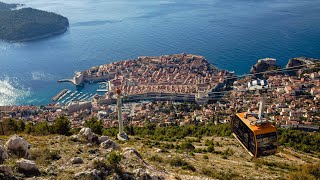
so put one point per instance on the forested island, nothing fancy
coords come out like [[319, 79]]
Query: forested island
[[26, 24]]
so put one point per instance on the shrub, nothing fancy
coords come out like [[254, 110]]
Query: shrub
[[156, 158], [228, 152], [62, 126], [309, 171], [95, 125], [114, 159], [205, 157], [189, 167], [187, 146], [210, 149], [178, 162], [45, 156], [9, 126], [42, 129]]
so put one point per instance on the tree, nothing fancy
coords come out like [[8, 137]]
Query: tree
[[21, 125], [42, 129], [62, 126], [9, 126], [95, 125], [29, 128]]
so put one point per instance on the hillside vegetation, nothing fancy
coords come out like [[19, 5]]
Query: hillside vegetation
[[29, 24]]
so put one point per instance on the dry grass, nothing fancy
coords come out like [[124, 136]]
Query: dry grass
[[228, 160]]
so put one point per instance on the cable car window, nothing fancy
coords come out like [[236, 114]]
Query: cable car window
[[244, 134], [267, 143]]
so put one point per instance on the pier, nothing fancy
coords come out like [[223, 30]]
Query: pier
[[76, 80], [61, 93]]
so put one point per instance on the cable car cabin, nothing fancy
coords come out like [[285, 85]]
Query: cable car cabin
[[259, 139]]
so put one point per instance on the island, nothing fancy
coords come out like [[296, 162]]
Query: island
[[26, 24]]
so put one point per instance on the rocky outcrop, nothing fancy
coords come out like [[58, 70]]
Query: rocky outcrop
[[109, 144], [74, 138], [6, 170], [88, 135], [3, 153], [298, 64], [89, 174], [300, 61], [263, 66], [19, 146], [103, 139], [76, 160], [131, 152], [27, 167]]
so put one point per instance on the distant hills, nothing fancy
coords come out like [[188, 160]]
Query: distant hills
[[28, 24]]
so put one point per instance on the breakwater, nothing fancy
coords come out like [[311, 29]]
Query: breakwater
[[61, 93]]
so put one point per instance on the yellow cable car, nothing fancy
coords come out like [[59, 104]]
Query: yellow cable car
[[258, 138]]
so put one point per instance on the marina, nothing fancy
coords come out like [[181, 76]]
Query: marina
[[59, 95], [65, 97]]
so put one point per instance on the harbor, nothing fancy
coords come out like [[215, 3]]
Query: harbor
[[66, 97], [59, 95]]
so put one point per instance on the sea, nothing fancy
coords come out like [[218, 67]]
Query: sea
[[231, 34]]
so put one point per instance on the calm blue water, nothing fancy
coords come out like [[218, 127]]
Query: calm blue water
[[231, 34]]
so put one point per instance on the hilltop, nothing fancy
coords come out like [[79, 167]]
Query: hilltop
[[28, 24], [208, 157]]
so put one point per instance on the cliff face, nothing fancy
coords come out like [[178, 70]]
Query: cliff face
[[301, 61], [298, 62], [263, 66]]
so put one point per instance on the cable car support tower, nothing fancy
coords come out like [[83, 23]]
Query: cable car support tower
[[121, 135]]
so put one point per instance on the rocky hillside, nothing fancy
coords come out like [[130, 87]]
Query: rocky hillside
[[301, 61], [89, 156], [262, 66]]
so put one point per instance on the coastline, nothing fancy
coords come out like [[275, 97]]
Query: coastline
[[39, 37]]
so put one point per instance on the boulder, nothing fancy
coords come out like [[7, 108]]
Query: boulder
[[109, 144], [74, 138], [18, 146], [6, 170], [3, 153], [76, 160], [131, 152], [88, 135], [93, 151], [103, 139], [89, 174], [27, 167], [138, 172], [158, 150]]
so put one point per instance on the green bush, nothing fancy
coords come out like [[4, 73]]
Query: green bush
[[299, 140], [156, 158], [178, 162], [42, 129], [95, 125], [61, 126], [45, 156], [210, 149], [187, 146], [114, 158], [205, 157]]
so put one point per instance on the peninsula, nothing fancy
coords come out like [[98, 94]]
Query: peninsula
[[178, 77], [27, 24]]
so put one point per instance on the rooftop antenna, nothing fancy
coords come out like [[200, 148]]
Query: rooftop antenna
[[121, 135]]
